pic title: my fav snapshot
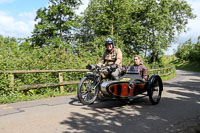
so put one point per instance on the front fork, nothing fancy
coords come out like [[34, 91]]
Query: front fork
[[98, 80]]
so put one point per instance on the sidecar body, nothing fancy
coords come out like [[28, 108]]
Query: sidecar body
[[132, 84]]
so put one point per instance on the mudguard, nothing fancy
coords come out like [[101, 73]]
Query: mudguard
[[152, 78]]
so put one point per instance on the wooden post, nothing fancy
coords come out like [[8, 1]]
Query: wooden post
[[61, 80], [12, 80]]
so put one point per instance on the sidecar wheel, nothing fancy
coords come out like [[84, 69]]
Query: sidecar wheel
[[155, 88], [87, 92]]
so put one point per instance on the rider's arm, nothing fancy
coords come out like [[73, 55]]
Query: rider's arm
[[119, 58], [102, 61]]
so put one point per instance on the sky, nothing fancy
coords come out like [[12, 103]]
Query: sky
[[17, 19]]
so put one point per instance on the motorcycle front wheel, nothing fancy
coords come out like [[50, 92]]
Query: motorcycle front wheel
[[88, 90]]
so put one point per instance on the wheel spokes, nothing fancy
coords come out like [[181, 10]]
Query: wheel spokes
[[155, 91], [88, 90]]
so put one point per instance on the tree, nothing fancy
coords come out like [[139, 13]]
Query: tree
[[164, 19], [195, 52], [184, 50], [56, 23], [8, 46], [102, 19], [189, 51], [144, 26]]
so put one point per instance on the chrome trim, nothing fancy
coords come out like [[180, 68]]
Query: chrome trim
[[105, 85], [89, 72]]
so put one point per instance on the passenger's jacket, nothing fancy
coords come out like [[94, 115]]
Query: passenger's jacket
[[111, 57], [141, 69]]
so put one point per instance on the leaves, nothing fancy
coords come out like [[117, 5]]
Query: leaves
[[144, 26], [57, 21], [63, 40], [189, 51]]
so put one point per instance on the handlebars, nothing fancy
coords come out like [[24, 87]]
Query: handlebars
[[104, 70]]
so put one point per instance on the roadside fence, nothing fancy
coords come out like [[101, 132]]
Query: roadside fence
[[161, 71]]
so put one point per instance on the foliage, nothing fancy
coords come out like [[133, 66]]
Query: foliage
[[187, 65], [189, 51], [55, 23], [144, 26], [62, 40], [46, 58], [17, 96]]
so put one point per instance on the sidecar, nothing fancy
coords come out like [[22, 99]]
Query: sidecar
[[125, 88], [131, 84]]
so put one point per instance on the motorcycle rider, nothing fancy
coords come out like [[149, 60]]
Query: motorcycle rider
[[112, 57]]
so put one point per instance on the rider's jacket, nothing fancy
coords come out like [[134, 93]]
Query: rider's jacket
[[141, 69], [111, 57]]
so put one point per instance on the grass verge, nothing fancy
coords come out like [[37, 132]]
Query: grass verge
[[18, 97], [189, 66], [164, 78]]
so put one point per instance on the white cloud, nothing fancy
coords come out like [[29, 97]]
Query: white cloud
[[22, 25], [21, 28]]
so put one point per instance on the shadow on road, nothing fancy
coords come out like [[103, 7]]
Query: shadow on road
[[74, 101], [176, 113]]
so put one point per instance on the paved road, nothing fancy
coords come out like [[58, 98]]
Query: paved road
[[178, 111]]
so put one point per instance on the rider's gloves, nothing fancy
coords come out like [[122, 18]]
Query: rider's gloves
[[114, 66], [90, 67], [97, 67], [124, 69]]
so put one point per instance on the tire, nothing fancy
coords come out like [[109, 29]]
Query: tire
[[155, 88], [86, 93]]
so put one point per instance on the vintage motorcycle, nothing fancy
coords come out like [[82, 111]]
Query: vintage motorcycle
[[130, 84]]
